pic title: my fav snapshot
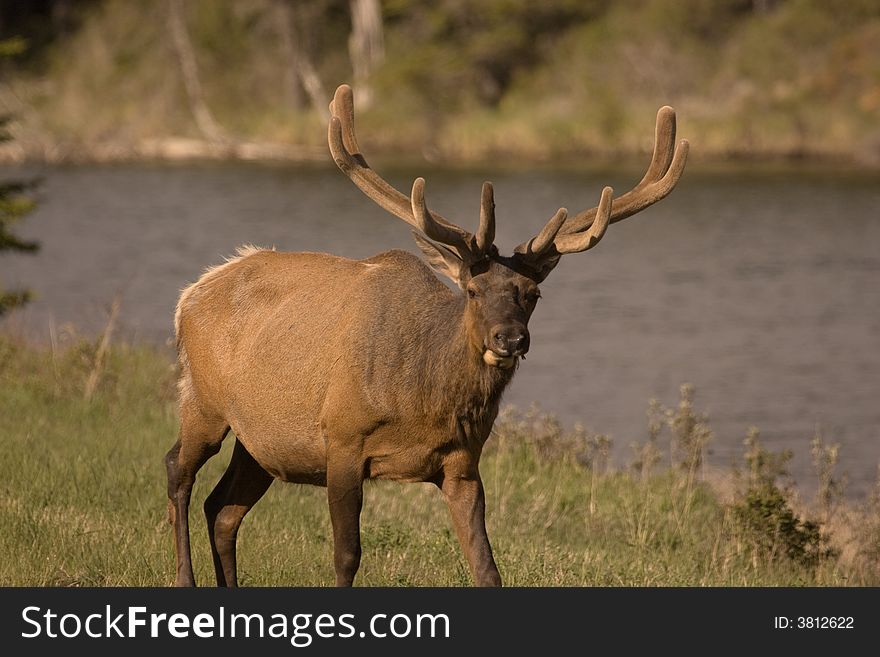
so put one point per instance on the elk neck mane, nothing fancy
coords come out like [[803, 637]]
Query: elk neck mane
[[457, 385]]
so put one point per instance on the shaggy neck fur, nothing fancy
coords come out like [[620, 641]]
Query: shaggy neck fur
[[464, 389]]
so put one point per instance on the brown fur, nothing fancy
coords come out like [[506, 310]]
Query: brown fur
[[304, 353]]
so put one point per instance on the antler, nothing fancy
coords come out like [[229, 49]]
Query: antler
[[550, 243], [584, 230], [667, 165], [413, 210]]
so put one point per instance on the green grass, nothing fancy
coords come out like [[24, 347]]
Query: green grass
[[82, 502]]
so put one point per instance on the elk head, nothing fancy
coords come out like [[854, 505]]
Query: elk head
[[502, 291]]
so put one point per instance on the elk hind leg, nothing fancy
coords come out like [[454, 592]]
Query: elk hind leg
[[200, 438], [240, 488]]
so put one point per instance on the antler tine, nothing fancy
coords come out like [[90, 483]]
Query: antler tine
[[342, 107], [346, 153], [664, 146], [539, 244], [626, 205], [667, 164], [549, 244], [577, 242], [436, 231], [486, 232]]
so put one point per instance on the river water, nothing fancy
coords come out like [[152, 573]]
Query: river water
[[760, 287]]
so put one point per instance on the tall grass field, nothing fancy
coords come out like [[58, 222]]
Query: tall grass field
[[83, 502]]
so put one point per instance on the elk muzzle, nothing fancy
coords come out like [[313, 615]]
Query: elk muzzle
[[506, 343]]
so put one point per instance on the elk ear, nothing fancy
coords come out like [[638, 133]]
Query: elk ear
[[441, 259]]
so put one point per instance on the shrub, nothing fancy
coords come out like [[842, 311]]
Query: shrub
[[763, 513]]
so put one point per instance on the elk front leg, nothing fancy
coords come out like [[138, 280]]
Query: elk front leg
[[345, 481], [464, 495]]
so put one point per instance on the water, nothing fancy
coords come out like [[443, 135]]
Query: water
[[762, 289]]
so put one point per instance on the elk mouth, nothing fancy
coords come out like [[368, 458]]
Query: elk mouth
[[502, 361]]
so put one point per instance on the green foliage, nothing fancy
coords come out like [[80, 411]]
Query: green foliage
[[775, 531], [458, 51], [15, 203], [13, 46], [763, 512], [477, 79], [14, 206], [709, 19]]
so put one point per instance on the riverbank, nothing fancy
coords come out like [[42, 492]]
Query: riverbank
[[83, 500], [473, 83], [165, 149], [194, 150]]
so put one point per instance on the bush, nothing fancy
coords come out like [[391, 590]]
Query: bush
[[764, 515]]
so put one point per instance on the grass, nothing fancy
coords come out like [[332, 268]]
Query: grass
[[82, 500]]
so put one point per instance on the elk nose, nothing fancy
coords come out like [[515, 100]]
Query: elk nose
[[519, 343], [510, 340]]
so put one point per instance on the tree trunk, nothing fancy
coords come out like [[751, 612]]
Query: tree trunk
[[366, 46], [294, 24], [284, 20], [186, 58]]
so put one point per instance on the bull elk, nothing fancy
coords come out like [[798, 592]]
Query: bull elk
[[331, 371]]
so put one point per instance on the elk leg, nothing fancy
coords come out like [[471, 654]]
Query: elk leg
[[199, 440], [466, 501], [242, 486], [345, 481]]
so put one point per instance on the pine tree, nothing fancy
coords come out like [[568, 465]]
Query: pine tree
[[15, 204]]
